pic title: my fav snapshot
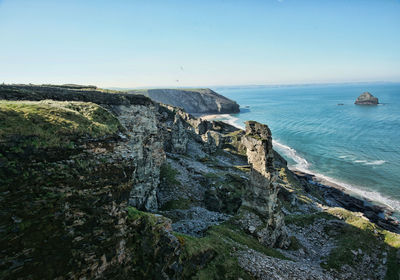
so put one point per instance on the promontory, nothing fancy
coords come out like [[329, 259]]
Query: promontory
[[201, 101]]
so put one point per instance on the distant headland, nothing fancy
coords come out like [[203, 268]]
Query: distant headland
[[200, 100]]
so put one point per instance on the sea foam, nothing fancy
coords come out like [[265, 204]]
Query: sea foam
[[304, 166]]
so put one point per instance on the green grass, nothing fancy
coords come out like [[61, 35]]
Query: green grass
[[294, 244], [134, 214], [361, 233], [393, 267], [204, 159], [350, 238], [168, 174], [234, 233], [235, 133], [181, 203], [288, 178], [307, 219], [220, 244], [212, 175], [243, 168], [212, 256], [235, 146], [292, 185], [357, 233], [53, 124]]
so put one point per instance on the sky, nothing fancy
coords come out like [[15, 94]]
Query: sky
[[199, 42]]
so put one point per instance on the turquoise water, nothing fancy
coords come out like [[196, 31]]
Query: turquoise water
[[356, 146]]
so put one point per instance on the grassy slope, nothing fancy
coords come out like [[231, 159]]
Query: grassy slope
[[220, 243], [53, 124], [359, 233]]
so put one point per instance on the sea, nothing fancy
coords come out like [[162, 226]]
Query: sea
[[319, 130]]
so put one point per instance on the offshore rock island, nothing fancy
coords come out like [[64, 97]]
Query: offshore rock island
[[366, 98], [100, 184]]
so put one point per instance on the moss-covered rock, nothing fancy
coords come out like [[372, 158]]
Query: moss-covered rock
[[225, 194]]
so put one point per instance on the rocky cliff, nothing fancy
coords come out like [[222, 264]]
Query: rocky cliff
[[107, 185], [68, 172], [201, 101], [261, 194]]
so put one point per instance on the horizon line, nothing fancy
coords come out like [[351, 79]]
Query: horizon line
[[252, 85], [210, 86]]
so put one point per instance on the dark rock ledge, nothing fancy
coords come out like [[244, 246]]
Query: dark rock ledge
[[335, 196]]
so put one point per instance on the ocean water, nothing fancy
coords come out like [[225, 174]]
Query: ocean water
[[355, 146]]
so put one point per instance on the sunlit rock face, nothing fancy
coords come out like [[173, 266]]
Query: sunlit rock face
[[262, 193], [144, 147]]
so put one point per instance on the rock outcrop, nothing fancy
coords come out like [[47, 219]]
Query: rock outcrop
[[201, 101], [143, 146], [366, 98], [262, 193]]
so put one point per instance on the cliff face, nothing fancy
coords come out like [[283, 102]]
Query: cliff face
[[204, 101], [143, 146], [68, 172]]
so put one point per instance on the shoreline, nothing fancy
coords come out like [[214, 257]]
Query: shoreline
[[337, 194]]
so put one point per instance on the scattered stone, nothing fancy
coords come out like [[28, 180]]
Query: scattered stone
[[195, 221], [267, 268]]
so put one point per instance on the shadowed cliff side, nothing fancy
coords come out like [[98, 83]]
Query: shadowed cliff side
[[67, 174]]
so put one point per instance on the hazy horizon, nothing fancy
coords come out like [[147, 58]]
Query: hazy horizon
[[199, 44], [259, 85]]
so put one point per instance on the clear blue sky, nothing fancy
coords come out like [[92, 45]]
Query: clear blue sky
[[198, 42]]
